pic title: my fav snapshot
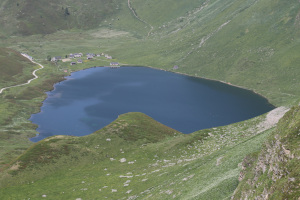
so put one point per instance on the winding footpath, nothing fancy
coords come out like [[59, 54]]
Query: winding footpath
[[135, 15], [33, 73]]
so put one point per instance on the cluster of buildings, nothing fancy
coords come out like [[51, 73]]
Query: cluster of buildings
[[75, 55], [56, 58], [89, 56]]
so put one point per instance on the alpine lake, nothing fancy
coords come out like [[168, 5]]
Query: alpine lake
[[90, 99]]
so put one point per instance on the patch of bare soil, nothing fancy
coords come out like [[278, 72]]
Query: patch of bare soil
[[272, 118]]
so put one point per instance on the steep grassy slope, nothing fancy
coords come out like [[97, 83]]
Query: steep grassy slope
[[134, 157], [273, 173], [155, 13], [253, 44], [44, 17]]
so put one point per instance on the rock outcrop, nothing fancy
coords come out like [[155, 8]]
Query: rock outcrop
[[273, 173]]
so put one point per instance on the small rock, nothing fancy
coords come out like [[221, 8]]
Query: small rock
[[292, 179], [169, 192]]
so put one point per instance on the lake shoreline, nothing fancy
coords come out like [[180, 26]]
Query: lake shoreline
[[64, 78], [176, 72], [212, 115], [209, 79]]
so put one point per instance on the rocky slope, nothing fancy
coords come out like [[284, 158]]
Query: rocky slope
[[273, 173]]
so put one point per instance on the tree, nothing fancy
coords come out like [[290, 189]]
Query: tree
[[49, 58]]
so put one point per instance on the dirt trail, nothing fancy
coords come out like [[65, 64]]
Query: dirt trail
[[135, 15], [33, 73]]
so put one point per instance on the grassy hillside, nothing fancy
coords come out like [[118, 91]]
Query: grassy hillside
[[134, 157], [44, 17], [16, 104], [253, 44]]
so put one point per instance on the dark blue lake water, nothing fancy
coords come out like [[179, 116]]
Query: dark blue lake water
[[90, 99]]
